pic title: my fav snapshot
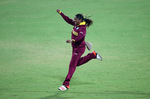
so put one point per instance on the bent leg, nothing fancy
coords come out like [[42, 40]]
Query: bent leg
[[86, 58]]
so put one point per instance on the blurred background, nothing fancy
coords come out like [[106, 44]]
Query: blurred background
[[34, 55]]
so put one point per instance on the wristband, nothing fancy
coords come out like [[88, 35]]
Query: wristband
[[59, 12], [73, 40]]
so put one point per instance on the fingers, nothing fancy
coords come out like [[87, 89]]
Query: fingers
[[68, 41]]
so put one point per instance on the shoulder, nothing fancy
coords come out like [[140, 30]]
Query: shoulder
[[82, 27]]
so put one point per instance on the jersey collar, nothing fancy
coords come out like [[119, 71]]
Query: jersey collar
[[82, 23]]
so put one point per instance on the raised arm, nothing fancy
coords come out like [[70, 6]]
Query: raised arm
[[66, 18]]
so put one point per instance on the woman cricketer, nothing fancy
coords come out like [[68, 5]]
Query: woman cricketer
[[78, 45]]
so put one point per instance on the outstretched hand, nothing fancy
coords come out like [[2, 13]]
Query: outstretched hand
[[58, 10], [69, 41]]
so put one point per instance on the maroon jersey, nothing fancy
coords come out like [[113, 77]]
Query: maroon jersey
[[78, 32]]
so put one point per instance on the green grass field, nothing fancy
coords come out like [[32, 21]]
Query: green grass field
[[34, 56]]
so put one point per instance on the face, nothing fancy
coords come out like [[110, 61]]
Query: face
[[77, 21]]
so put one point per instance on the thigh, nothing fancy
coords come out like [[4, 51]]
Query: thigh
[[78, 52]]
